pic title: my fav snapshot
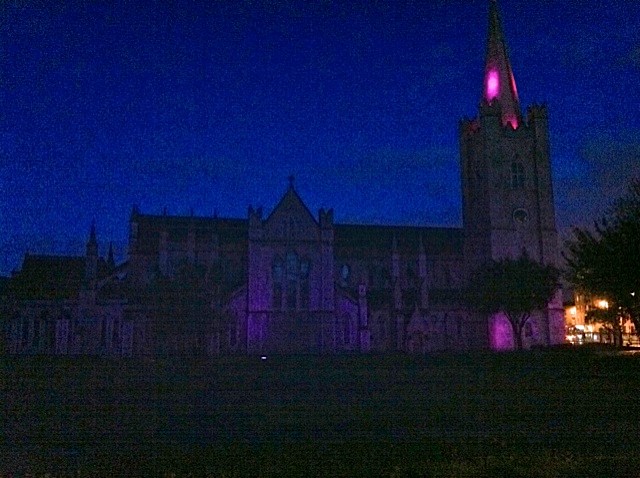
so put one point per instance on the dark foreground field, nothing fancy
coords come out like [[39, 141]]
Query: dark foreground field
[[540, 413]]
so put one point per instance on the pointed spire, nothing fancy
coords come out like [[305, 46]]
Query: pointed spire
[[110, 260], [92, 243], [499, 83], [91, 258], [92, 233]]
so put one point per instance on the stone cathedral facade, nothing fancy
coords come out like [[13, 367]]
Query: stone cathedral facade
[[291, 281]]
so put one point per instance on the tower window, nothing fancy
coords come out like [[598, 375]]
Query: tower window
[[345, 272], [517, 175]]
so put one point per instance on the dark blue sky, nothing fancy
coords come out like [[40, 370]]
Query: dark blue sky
[[211, 105]]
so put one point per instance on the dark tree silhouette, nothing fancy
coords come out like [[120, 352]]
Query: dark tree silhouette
[[184, 306], [603, 262], [514, 287]]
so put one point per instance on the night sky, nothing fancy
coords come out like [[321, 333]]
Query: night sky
[[211, 105]]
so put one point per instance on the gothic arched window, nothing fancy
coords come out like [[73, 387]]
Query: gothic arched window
[[528, 329], [292, 280], [295, 282], [304, 284], [518, 177], [347, 329], [277, 276]]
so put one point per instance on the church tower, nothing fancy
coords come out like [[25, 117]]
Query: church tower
[[506, 170], [508, 206]]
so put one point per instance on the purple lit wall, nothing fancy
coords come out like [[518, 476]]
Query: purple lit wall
[[500, 333]]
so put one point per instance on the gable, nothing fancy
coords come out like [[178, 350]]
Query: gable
[[45, 277], [291, 220]]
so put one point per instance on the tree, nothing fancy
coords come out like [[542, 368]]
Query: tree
[[514, 287], [603, 262], [184, 306]]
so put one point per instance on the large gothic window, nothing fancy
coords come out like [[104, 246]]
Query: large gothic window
[[517, 175], [291, 282]]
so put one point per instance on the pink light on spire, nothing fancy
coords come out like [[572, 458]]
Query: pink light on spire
[[514, 89], [493, 85], [499, 83], [510, 118]]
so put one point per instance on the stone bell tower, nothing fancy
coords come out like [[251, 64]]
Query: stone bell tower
[[508, 206], [506, 172]]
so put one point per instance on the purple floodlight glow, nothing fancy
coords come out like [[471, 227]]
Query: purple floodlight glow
[[500, 333], [493, 84], [514, 88], [511, 119]]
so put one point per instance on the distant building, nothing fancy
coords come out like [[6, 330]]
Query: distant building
[[581, 330], [292, 281]]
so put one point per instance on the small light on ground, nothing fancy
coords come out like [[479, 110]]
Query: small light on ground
[[264, 357]]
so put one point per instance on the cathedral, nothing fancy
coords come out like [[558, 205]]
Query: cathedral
[[291, 281]]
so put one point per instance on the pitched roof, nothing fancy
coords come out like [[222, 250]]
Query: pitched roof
[[49, 277], [228, 230], [435, 240]]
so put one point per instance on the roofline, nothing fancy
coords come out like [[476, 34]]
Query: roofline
[[402, 226]]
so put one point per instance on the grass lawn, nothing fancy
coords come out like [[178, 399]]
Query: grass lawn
[[569, 412]]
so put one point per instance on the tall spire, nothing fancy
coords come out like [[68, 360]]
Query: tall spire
[[499, 83], [110, 259], [91, 258], [92, 233]]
